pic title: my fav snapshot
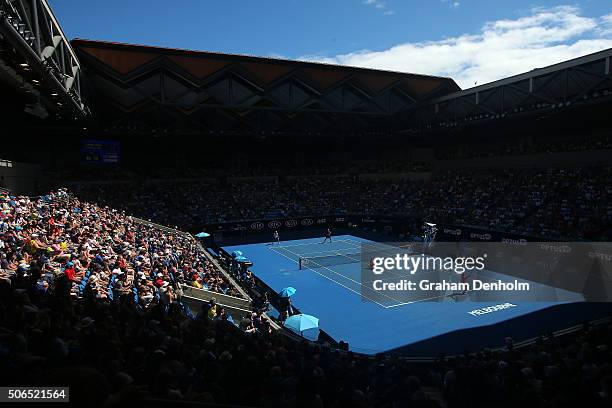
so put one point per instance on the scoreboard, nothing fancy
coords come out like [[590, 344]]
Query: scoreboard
[[95, 151]]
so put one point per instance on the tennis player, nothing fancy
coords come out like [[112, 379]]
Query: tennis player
[[455, 295], [464, 279], [277, 237], [328, 235]]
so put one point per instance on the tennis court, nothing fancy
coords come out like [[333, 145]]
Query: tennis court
[[329, 286]]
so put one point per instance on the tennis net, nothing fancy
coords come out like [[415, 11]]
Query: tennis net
[[367, 252], [329, 260]]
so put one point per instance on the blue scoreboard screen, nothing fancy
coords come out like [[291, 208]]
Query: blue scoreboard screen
[[100, 151]]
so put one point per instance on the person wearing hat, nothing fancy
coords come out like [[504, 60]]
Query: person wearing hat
[[70, 272], [212, 310]]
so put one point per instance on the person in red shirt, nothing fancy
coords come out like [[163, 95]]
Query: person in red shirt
[[70, 272], [121, 262]]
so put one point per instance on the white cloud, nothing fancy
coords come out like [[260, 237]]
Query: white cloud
[[606, 25], [375, 3], [452, 4], [502, 48], [380, 5]]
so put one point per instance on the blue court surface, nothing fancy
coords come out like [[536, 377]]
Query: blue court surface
[[370, 324]]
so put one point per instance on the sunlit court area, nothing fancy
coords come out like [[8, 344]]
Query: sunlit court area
[[331, 286], [326, 204]]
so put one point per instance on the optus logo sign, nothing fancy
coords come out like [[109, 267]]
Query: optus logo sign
[[482, 237], [562, 249], [513, 241]]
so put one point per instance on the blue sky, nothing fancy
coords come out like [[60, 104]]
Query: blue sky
[[471, 41]]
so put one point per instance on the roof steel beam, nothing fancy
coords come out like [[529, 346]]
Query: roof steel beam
[[31, 28], [542, 88]]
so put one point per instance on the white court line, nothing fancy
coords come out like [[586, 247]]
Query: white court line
[[352, 280], [414, 301], [276, 248], [332, 252], [307, 243], [358, 283], [325, 267], [351, 242], [359, 243], [383, 247], [421, 300], [347, 278], [387, 248], [323, 252], [336, 282], [389, 297]]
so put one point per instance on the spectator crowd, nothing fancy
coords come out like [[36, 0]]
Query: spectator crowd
[[88, 299], [61, 243], [568, 203], [576, 143], [115, 354]]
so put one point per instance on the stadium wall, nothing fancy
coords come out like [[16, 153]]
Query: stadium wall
[[21, 178], [412, 176], [564, 159], [397, 227]]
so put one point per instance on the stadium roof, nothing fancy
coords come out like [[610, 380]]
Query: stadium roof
[[142, 89], [554, 89]]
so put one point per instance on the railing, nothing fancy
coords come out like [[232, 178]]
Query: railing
[[260, 288], [200, 247], [238, 308], [221, 298], [225, 273]]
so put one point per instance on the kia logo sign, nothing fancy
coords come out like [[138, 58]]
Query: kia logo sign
[[257, 225], [274, 224], [291, 223], [306, 222]]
